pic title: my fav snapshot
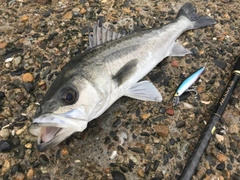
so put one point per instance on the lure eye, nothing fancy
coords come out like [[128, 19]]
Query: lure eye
[[68, 95]]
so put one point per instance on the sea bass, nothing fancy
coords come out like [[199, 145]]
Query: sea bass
[[90, 83]]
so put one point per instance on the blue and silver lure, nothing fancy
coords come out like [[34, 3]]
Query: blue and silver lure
[[186, 84]]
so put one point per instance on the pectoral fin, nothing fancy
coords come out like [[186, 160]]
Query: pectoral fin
[[179, 50], [145, 91]]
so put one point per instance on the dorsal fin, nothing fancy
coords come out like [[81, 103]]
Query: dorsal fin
[[101, 35]]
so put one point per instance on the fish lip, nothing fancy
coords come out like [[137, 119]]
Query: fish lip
[[43, 146]]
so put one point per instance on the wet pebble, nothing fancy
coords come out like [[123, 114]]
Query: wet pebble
[[118, 175], [124, 169], [172, 141], [14, 169], [220, 166], [5, 146], [43, 160], [18, 72], [162, 110], [145, 134], [107, 140]]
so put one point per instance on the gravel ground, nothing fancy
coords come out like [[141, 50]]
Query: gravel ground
[[133, 139]]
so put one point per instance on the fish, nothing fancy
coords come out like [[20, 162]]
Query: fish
[[184, 86], [111, 68]]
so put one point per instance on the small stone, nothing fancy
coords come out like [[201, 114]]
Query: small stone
[[42, 82], [170, 112], [219, 137], [28, 86], [27, 77], [28, 145], [140, 173], [137, 150], [221, 166], [221, 157], [65, 151], [5, 133], [5, 146], [233, 129], [20, 131], [221, 147], [67, 15], [21, 151], [18, 176], [30, 174], [162, 130], [17, 60], [5, 167], [83, 11], [174, 63], [145, 116], [118, 175], [117, 122], [2, 95], [220, 63], [127, 10], [43, 160], [24, 18], [3, 45], [155, 165]]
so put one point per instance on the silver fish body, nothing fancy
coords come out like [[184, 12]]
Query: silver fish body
[[91, 83]]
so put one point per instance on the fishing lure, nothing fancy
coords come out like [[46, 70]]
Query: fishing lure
[[186, 84]]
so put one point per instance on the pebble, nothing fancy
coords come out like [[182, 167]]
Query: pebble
[[2, 95], [24, 18], [5, 133], [162, 130], [145, 116], [170, 112], [19, 176], [17, 60], [140, 173], [3, 45], [221, 147], [14, 169], [117, 122], [180, 124], [43, 160], [27, 77], [147, 168], [219, 137], [21, 151], [131, 164], [221, 166], [155, 165], [220, 63], [28, 86], [221, 157], [30, 174], [5, 146], [174, 63], [233, 129], [20, 131], [118, 175], [28, 145], [68, 15], [83, 11], [5, 167], [137, 150]]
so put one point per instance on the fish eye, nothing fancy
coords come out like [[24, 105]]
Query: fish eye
[[68, 95]]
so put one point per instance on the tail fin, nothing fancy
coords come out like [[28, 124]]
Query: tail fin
[[189, 11]]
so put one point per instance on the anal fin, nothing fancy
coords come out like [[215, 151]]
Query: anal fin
[[145, 91]]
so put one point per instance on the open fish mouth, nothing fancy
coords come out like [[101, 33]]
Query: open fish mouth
[[52, 129]]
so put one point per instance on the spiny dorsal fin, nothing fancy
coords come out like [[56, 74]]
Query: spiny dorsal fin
[[101, 35]]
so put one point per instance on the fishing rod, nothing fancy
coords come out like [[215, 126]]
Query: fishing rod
[[203, 141]]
